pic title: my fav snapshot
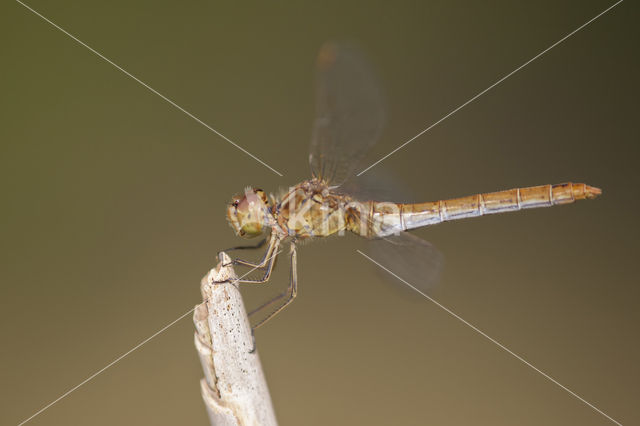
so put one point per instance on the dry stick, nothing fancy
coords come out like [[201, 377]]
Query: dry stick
[[234, 388]]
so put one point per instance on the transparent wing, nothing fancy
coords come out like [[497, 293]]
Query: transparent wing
[[349, 113], [379, 185], [411, 258]]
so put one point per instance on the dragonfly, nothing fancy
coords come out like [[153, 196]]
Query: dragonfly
[[348, 122]]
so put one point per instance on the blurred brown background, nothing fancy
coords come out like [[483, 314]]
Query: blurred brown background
[[113, 209]]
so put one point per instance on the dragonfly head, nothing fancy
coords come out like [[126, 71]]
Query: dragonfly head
[[249, 215]]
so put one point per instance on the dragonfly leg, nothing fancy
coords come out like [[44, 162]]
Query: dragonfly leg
[[247, 247], [267, 263], [289, 294], [274, 242]]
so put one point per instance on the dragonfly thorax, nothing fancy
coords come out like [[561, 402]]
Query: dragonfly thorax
[[249, 215]]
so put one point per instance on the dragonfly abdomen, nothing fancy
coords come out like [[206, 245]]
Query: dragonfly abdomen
[[389, 218]]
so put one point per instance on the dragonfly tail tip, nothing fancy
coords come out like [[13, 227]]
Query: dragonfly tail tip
[[589, 192], [593, 192]]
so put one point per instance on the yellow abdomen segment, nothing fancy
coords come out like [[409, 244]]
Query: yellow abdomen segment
[[389, 218]]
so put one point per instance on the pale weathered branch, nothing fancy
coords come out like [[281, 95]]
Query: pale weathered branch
[[234, 388]]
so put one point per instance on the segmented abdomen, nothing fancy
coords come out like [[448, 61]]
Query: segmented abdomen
[[388, 218]]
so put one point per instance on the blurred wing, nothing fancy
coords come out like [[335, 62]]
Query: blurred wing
[[378, 185], [413, 259], [349, 113]]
